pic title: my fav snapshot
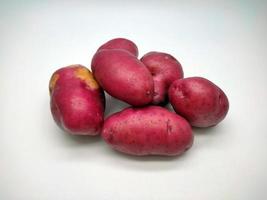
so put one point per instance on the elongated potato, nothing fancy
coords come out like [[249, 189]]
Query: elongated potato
[[151, 130], [121, 43], [165, 69], [123, 76], [77, 101], [199, 100]]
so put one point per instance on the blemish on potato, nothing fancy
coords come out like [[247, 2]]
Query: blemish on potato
[[85, 75], [110, 137], [53, 81]]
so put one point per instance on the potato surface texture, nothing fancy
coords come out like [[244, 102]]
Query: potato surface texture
[[151, 130], [165, 69], [198, 100], [121, 43], [76, 100], [123, 76]]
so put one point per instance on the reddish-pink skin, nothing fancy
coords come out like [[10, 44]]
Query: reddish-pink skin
[[121, 43], [75, 107], [165, 69], [123, 76], [198, 100], [151, 130]]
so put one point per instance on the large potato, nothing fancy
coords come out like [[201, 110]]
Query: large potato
[[123, 76], [77, 101], [151, 130], [198, 100], [120, 43], [165, 69]]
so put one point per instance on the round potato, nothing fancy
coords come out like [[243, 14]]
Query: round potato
[[77, 101], [151, 130], [121, 43], [165, 69], [198, 100], [123, 76]]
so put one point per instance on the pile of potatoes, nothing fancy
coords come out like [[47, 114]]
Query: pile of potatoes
[[77, 100]]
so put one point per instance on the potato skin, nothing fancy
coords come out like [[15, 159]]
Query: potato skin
[[151, 130], [198, 100], [77, 102], [121, 43], [165, 69], [123, 76]]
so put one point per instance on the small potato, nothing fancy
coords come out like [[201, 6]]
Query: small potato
[[121, 43], [198, 100], [165, 69], [151, 130], [123, 76], [77, 102]]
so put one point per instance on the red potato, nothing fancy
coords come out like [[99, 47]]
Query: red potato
[[77, 102], [165, 69], [120, 43], [123, 76], [151, 130], [198, 100]]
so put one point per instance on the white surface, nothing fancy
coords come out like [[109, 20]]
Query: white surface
[[224, 41]]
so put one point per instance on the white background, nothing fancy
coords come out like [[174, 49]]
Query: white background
[[224, 41]]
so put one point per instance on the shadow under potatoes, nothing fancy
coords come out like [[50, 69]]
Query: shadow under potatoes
[[113, 105], [149, 163], [206, 131], [211, 138], [148, 158]]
